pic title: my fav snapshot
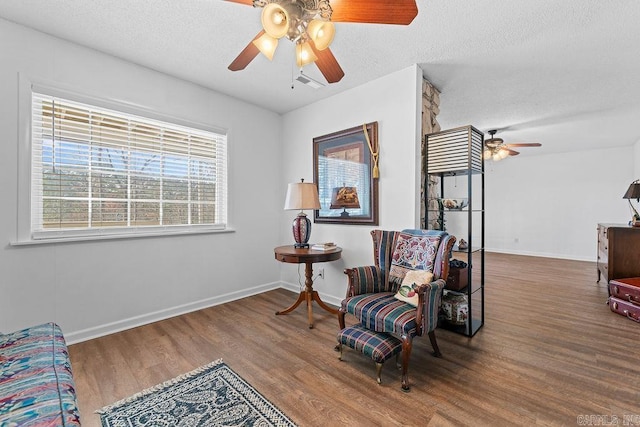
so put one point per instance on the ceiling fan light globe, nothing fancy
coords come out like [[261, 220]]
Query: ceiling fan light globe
[[267, 45], [487, 154], [275, 20], [304, 54], [502, 154], [321, 32], [278, 18]]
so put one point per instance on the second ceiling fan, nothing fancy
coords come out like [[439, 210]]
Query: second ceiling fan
[[496, 149], [309, 24]]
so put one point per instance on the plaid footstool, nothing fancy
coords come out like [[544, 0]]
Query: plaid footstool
[[378, 346]]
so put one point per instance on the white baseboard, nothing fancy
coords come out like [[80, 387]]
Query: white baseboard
[[133, 322], [542, 255]]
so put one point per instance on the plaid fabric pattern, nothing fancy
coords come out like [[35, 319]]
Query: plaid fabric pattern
[[382, 312], [375, 345], [368, 280], [384, 243], [36, 385], [431, 307]]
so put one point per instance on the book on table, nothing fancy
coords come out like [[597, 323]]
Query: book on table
[[323, 246]]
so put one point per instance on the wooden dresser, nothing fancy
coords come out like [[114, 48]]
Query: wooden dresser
[[618, 251]]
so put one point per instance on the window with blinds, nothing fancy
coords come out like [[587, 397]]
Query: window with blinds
[[99, 171]]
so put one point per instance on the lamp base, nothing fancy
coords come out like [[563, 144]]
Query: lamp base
[[301, 230]]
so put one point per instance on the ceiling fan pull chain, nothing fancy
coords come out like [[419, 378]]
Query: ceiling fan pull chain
[[374, 155]]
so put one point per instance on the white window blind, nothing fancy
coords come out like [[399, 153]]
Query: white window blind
[[99, 171]]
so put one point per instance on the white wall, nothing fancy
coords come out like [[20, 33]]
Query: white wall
[[394, 101], [636, 160], [94, 288], [550, 205]]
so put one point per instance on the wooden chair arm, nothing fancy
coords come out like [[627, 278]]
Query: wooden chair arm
[[446, 255]]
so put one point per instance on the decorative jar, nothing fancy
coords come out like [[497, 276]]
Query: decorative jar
[[455, 307]]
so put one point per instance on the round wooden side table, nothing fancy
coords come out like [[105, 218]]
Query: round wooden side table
[[306, 256]]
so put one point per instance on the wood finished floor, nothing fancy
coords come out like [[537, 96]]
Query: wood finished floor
[[550, 352]]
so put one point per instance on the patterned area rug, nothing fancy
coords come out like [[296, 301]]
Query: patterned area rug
[[212, 395]]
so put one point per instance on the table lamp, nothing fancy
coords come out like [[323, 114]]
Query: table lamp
[[345, 198], [634, 193], [302, 195]]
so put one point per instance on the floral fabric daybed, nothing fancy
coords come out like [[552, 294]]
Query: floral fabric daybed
[[36, 384]]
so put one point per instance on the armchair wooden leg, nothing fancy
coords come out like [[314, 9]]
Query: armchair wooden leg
[[434, 344], [341, 315], [378, 372], [406, 352]]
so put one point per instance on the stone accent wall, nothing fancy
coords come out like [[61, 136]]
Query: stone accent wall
[[430, 109]]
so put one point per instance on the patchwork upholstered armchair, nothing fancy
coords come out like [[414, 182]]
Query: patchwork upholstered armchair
[[382, 299]]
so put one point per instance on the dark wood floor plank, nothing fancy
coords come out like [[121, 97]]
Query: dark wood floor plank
[[550, 351]]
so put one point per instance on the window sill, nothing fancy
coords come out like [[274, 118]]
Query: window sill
[[153, 234]]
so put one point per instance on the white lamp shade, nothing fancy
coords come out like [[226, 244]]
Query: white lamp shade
[[267, 45], [302, 195], [304, 54], [275, 20], [321, 32]]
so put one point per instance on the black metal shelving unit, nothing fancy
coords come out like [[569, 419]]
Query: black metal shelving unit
[[455, 157]]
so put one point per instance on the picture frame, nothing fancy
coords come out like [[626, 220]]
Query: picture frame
[[343, 167]]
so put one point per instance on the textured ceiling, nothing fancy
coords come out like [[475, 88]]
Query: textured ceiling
[[563, 73]]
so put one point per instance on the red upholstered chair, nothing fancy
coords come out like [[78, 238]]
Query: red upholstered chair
[[372, 289]]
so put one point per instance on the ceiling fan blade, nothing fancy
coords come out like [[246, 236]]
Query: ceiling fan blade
[[246, 56], [525, 144], [247, 2], [510, 151], [327, 64], [399, 12]]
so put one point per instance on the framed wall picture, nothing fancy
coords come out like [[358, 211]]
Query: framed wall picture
[[343, 170]]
